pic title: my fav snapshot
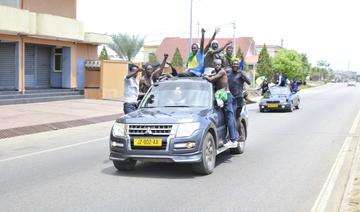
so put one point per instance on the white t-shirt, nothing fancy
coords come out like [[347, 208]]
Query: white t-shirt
[[131, 90]]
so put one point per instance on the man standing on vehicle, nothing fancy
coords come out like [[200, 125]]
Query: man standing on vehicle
[[150, 76], [195, 69], [228, 57], [131, 89], [220, 81], [236, 79], [212, 54]]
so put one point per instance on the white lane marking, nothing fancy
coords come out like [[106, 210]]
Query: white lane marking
[[53, 149], [355, 124], [324, 196]]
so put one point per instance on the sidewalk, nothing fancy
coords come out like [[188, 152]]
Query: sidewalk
[[38, 117]]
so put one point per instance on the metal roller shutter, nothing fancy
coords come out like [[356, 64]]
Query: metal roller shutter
[[37, 66], [43, 67], [29, 66], [7, 65]]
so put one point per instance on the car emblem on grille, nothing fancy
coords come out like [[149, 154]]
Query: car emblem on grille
[[148, 131]]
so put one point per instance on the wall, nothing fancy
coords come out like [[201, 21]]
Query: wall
[[86, 51], [66, 72], [65, 8], [112, 78]]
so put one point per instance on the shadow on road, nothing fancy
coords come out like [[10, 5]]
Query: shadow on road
[[163, 170]]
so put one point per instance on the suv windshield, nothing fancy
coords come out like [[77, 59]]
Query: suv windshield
[[178, 94]]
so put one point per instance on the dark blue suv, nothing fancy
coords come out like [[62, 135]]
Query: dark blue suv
[[177, 121]]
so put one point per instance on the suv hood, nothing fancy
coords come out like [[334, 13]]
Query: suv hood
[[164, 116]]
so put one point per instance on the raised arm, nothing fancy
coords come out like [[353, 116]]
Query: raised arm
[[202, 41], [161, 68], [132, 73], [173, 70], [222, 48], [211, 40]]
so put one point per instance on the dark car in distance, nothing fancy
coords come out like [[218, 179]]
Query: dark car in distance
[[279, 98], [177, 121]]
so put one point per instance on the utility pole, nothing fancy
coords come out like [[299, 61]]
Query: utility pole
[[234, 40], [190, 40], [198, 25], [282, 43]]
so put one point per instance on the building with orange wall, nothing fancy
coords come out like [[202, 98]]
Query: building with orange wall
[[42, 45]]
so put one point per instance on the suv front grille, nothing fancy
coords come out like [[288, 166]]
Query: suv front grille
[[149, 129], [273, 102]]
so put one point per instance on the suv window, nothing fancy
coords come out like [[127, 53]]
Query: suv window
[[178, 94]]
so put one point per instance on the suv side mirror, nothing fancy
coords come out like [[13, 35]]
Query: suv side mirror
[[150, 100]]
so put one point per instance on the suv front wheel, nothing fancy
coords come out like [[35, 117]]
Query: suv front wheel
[[126, 165], [207, 163]]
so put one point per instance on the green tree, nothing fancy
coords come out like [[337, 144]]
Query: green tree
[[316, 73], [239, 54], [153, 59], [177, 60], [288, 62], [103, 54], [264, 66], [126, 46], [306, 67]]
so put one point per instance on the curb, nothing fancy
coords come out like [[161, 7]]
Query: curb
[[32, 129]]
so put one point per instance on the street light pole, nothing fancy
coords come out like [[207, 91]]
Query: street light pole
[[234, 40], [190, 40]]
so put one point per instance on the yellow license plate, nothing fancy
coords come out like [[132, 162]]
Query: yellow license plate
[[147, 142], [272, 105]]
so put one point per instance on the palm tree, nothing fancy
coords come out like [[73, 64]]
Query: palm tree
[[126, 46]]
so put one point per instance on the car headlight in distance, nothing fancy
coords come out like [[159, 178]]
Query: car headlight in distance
[[187, 129], [119, 130]]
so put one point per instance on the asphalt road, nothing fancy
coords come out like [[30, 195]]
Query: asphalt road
[[287, 159]]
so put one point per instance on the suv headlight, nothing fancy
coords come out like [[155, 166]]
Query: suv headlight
[[119, 130], [283, 101], [187, 129]]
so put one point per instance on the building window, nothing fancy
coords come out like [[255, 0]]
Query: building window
[[58, 60]]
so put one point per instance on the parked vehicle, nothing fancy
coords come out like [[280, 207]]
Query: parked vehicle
[[279, 98], [351, 83], [177, 121]]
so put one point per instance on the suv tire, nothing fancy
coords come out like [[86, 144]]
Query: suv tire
[[207, 163], [126, 165]]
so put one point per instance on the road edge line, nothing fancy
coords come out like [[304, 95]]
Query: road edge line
[[325, 193], [52, 150]]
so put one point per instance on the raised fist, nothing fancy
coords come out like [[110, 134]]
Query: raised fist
[[203, 30], [166, 55], [217, 30]]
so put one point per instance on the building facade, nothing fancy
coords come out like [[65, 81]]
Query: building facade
[[42, 45]]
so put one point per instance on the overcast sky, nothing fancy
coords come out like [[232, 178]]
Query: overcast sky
[[323, 29]]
